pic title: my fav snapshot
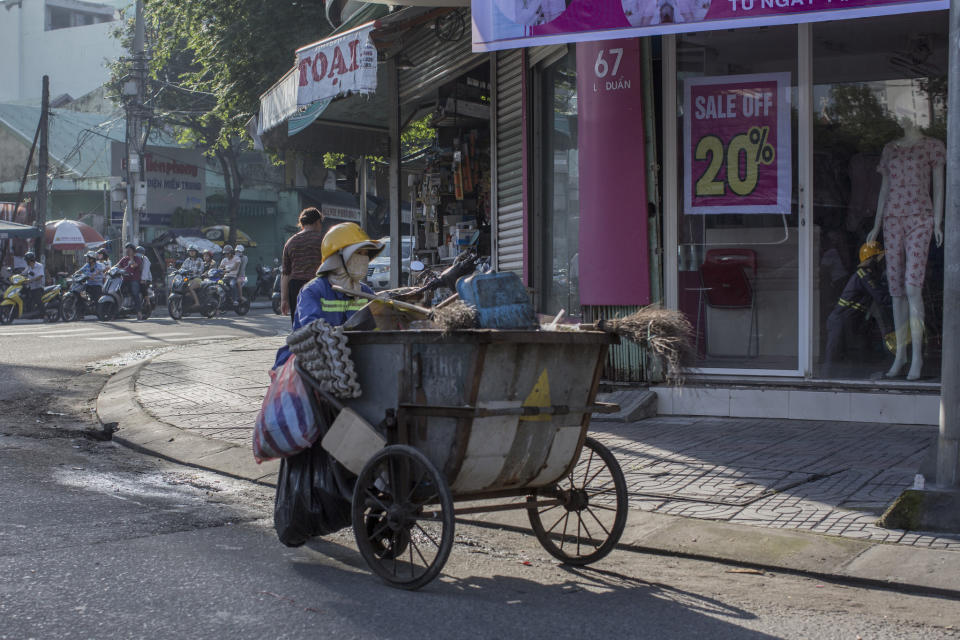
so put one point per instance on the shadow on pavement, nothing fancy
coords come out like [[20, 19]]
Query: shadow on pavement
[[582, 603]]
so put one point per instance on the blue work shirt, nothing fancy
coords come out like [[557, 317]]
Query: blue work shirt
[[94, 273], [317, 299]]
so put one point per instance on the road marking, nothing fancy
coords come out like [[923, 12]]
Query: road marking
[[135, 338], [43, 334]]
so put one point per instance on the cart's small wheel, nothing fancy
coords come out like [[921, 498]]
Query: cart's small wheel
[[593, 511], [403, 517]]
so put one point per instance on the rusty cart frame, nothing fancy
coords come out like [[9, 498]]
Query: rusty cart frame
[[484, 417]]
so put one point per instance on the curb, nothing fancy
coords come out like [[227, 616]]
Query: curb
[[142, 432], [828, 558]]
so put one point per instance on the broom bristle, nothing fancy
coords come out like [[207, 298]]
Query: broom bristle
[[665, 332], [454, 316]]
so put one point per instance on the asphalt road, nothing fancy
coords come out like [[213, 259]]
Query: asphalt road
[[97, 541]]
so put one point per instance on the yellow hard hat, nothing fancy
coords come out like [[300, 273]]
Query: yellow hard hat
[[343, 236], [870, 249]]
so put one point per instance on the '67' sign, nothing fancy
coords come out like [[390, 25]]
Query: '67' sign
[[346, 63]]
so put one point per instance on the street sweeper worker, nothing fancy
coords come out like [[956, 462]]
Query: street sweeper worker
[[346, 252]]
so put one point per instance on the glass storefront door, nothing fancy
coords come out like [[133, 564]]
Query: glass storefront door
[[879, 95], [738, 245]]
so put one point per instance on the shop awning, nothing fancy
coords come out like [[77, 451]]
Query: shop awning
[[344, 110], [17, 230], [344, 64]]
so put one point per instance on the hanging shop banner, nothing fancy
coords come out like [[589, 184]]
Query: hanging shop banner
[[613, 259], [341, 65], [736, 144], [509, 24]]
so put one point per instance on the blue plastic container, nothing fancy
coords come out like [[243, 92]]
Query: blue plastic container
[[501, 300]]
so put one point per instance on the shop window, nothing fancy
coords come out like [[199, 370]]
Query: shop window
[[738, 240], [559, 277], [880, 101]]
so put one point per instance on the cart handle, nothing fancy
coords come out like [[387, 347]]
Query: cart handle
[[448, 411]]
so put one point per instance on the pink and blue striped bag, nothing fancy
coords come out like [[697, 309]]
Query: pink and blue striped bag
[[286, 424]]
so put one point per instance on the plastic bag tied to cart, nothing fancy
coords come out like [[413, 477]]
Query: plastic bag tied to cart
[[313, 491]]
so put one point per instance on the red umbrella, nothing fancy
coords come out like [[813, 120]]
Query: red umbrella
[[69, 235]]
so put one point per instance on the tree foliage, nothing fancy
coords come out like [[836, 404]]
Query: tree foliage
[[210, 60]]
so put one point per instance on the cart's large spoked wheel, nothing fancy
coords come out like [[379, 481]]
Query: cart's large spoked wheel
[[592, 513], [403, 517]]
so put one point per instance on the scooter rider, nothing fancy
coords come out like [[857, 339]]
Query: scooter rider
[[242, 271], [346, 251], [146, 276], [230, 264], [94, 271], [132, 266], [104, 259], [208, 261], [36, 277], [193, 265]]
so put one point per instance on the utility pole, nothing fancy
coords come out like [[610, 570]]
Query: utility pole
[[43, 164], [135, 90], [948, 443]]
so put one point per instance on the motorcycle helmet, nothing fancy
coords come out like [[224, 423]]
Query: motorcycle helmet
[[227, 248], [103, 252], [139, 249], [30, 256], [239, 248], [91, 255], [192, 247], [130, 245]]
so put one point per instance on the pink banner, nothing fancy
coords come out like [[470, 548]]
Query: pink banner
[[736, 144], [506, 24], [613, 258]]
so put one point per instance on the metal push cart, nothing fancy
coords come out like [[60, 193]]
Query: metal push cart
[[484, 417]]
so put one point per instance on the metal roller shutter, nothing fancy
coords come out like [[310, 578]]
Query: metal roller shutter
[[435, 61], [507, 141]]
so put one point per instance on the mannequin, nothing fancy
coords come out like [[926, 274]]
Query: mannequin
[[908, 217]]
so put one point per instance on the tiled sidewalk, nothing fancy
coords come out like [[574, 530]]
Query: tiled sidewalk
[[827, 477], [213, 390]]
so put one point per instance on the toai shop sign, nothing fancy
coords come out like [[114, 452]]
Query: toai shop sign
[[344, 64], [736, 144]]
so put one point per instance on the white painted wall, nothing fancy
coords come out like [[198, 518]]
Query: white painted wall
[[74, 58]]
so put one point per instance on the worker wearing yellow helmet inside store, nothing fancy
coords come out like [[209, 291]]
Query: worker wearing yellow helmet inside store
[[346, 252]]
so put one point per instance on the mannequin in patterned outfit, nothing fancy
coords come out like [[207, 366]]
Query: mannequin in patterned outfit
[[909, 216]]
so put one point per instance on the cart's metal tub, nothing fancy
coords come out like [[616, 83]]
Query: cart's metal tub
[[493, 410]]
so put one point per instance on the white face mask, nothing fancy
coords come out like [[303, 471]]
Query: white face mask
[[357, 266]]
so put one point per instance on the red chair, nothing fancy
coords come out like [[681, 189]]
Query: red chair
[[724, 273]]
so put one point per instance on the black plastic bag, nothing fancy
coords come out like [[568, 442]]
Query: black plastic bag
[[313, 492]]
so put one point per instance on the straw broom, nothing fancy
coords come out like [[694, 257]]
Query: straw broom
[[664, 332]]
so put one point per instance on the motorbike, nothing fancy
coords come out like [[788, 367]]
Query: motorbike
[[76, 301], [226, 293], [12, 306], [265, 280], [178, 302], [117, 300], [275, 296]]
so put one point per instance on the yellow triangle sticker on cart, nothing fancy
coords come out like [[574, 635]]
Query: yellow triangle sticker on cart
[[539, 397]]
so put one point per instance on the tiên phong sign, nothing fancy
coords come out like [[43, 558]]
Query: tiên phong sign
[[344, 64], [507, 24], [736, 144]]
